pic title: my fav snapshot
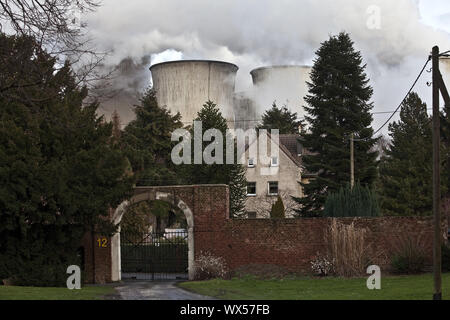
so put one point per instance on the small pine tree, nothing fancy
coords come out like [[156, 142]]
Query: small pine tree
[[231, 174], [278, 211], [282, 119], [358, 201], [147, 142]]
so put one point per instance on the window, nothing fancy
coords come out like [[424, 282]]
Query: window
[[251, 162], [251, 215], [251, 189], [273, 188], [274, 161]]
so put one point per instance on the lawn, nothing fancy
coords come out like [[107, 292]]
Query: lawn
[[392, 288], [40, 293]]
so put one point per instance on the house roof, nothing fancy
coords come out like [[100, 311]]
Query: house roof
[[289, 144]]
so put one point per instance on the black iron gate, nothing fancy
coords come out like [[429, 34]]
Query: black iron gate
[[154, 256]]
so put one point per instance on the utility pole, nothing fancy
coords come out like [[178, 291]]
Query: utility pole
[[436, 178], [352, 161]]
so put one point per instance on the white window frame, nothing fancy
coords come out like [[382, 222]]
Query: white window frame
[[268, 188], [251, 194], [272, 164], [252, 164]]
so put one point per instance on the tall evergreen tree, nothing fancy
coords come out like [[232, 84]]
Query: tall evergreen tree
[[282, 119], [338, 105], [231, 174], [147, 142], [59, 173], [406, 170], [445, 138]]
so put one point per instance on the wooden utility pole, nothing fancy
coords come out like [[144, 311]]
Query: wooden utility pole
[[436, 178], [352, 161]]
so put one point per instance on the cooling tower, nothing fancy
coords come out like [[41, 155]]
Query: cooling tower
[[285, 85], [184, 86]]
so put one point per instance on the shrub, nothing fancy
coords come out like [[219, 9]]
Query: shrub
[[358, 201], [409, 255], [322, 266], [278, 211], [208, 266], [347, 249]]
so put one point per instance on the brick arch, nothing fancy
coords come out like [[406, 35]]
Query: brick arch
[[197, 202]]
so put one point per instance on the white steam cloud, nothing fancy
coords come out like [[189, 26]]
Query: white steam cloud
[[255, 33]]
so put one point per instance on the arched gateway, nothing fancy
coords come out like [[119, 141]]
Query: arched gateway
[[201, 205]]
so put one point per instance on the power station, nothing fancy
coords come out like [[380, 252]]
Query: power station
[[184, 86]]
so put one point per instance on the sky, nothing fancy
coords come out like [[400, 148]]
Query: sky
[[394, 37]]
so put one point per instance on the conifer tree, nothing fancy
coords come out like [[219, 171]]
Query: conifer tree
[[147, 142], [406, 170], [59, 173], [338, 104], [231, 174], [278, 210], [283, 119], [358, 201]]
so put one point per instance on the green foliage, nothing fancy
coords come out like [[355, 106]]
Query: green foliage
[[231, 174], [282, 119], [277, 211], [59, 174], [409, 255], [406, 169], [445, 151], [338, 105], [358, 201], [147, 142]]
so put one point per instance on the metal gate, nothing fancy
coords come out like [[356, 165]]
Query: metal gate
[[154, 256]]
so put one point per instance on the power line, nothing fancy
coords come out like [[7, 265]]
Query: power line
[[401, 103]]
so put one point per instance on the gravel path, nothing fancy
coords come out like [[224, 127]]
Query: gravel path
[[153, 290]]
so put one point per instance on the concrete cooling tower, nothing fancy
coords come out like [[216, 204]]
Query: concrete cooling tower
[[285, 85], [184, 86]]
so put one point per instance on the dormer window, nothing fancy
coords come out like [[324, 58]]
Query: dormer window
[[274, 162], [251, 162]]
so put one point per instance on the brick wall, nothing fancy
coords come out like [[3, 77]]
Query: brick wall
[[293, 243], [290, 243], [97, 258]]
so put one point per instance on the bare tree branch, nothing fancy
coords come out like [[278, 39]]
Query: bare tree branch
[[56, 25]]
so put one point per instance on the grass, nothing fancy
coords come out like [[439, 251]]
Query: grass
[[392, 288], [41, 293]]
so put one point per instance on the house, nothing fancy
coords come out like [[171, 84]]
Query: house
[[279, 176]]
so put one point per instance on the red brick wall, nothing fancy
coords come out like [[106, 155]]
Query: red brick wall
[[293, 243], [287, 243]]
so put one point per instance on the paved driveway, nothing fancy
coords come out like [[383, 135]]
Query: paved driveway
[[153, 290]]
